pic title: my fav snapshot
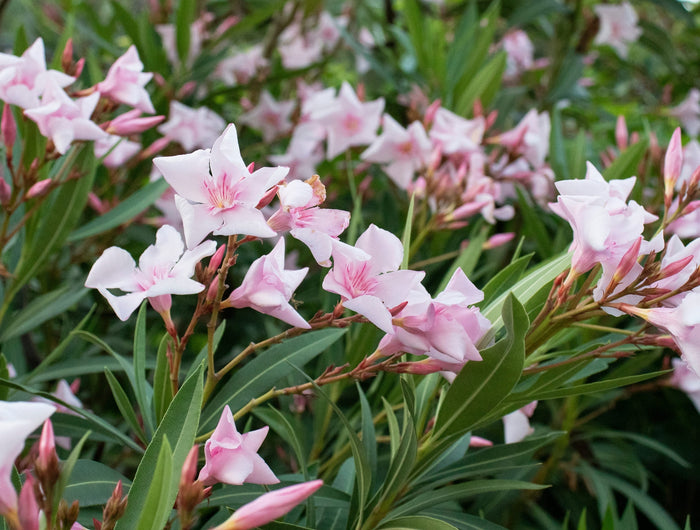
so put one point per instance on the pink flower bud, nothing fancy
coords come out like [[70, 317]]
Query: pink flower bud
[[130, 123], [5, 192], [672, 165], [430, 113], [499, 239], [8, 127], [215, 260], [270, 506], [251, 167], [155, 147], [674, 268], [78, 68], [225, 25], [478, 441], [39, 189], [267, 198], [189, 468], [627, 262], [28, 509], [47, 446], [621, 135], [67, 57]]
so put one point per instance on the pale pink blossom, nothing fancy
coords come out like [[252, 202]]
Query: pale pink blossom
[[686, 380], [18, 419], [116, 150], [192, 128], [455, 134], [367, 278], [404, 150], [299, 214], [216, 192], [241, 67], [605, 224], [520, 53], [270, 116], [445, 328], [197, 35], [125, 82], [304, 152], [268, 287], [269, 506], [618, 26], [23, 79], [681, 321], [530, 138], [688, 112], [516, 425], [232, 458], [65, 120], [349, 122], [163, 270]]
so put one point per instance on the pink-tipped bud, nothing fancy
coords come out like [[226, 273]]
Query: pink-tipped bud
[[186, 90], [267, 198], [674, 268], [28, 508], [361, 91], [78, 68], [430, 113], [96, 203], [47, 446], [498, 239], [621, 134], [672, 165], [213, 290], [694, 180], [215, 260], [225, 25], [5, 192], [39, 189], [692, 206], [627, 262], [67, 56], [75, 385], [189, 468], [477, 108], [478, 441], [158, 79], [8, 127], [634, 138], [155, 147], [270, 506], [131, 123], [435, 159], [251, 167]]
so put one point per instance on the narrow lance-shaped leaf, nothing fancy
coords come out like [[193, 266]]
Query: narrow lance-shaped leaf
[[482, 385]]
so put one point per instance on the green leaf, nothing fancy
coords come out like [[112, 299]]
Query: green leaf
[[393, 425], [417, 522], [482, 385], [506, 278], [41, 309], [58, 216], [261, 373], [124, 212], [140, 369], [457, 492], [528, 11], [369, 436], [92, 483], [124, 405], [162, 388], [468, 259], [184, 17], [179, 425], [626, 164], [599, 386], [67, 470], [406, 239], [278, 421], [484, 85], [4, 374], [157, 504], [557, 157]]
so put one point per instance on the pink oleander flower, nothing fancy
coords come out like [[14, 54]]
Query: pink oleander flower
[[163, 270], [232, 458], [23, 79], [65, 120], [18, 420], [197, 35], [242, 66], [686, 380], [605, 225], [456, 135], [299, 214], [348, 121], [681, 321], [125, 82], [445, 328], [192, 128], [404, 150], [367, 278], [270, 116], [516, 425], [618, 26], [269, 506], [268, 287], [688, 112], [520, 53], [530, 138], [115, 150], [215, 191]]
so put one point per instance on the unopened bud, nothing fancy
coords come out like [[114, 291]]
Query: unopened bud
[[78, 68], [430, 113], [67, 56], [621, 134], [5, 192], [627, 262], [674, 268], [8, 127], [672, 165], [114, 509], [251, 167], [155, 147], [68, 515], [186, 90], [213, 291], [215, 260], [498, 239], [28, 508], [267, 198], [47, 468], [189, 467], [131, 123]]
